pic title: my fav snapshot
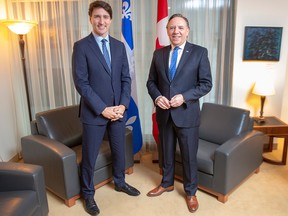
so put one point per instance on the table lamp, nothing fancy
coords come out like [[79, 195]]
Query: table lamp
[[263, 87], [22, 27]]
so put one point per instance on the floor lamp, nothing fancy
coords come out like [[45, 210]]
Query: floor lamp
[[22, 27]]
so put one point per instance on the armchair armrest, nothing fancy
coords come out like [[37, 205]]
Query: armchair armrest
[[236, 159], [59, 163], [19, 176]]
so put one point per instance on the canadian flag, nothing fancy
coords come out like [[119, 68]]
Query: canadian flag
[[161, 41]]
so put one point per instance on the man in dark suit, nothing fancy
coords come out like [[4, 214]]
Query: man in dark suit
[[101, 76], [175, 84]]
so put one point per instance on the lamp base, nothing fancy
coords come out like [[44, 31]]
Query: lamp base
[[259, 119]]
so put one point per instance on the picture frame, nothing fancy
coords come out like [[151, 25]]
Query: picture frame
[[262, 43]]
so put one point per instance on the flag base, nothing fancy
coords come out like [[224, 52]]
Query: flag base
[[155, 157], [137, 157]]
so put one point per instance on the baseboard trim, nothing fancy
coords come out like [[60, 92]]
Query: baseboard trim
[[16, 158]]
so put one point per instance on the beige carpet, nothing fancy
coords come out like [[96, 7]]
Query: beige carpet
[[265, 193]]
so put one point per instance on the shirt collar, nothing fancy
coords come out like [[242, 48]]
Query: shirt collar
[[99, 38], [181, 46]]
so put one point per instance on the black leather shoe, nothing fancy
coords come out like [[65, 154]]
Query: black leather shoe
[[91, 206], [128, 189]]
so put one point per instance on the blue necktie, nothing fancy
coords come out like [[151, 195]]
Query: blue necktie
[[173, 63], [105, 53]]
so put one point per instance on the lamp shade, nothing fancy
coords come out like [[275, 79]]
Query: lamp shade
[[264, 87], [20, 27]]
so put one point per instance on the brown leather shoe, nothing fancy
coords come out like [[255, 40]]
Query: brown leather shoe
[[159, 190], [192, 203]]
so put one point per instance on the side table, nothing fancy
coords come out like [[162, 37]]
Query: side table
[[274, 127]]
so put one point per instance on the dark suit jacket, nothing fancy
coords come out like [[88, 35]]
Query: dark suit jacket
[[192, 80], [98, 86]]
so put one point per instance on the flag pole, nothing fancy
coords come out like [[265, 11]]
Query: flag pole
[[133, 118]]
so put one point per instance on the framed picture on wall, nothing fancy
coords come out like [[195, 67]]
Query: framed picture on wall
[[262, 43]]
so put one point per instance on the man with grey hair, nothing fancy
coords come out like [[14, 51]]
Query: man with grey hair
[[179, 76]]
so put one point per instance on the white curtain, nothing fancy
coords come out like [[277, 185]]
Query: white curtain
[[62, 22]]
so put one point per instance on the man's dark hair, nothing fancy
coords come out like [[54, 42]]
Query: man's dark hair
[[181, 16], [100, 4]]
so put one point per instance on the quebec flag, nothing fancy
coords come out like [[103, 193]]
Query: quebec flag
[[133, 121]]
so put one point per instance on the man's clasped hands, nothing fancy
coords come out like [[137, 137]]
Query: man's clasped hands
[[114, 112], [175, 101]]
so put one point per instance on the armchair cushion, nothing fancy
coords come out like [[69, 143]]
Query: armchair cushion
[[206, 155], [104, 156]]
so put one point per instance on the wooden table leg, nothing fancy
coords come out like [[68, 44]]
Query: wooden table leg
[[269, 148], [284, 154]]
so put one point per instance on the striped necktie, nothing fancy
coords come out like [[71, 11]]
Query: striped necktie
[[105, 53]]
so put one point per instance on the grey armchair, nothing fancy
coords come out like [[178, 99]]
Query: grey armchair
[[56, 145], [22, 190], [229, 150]]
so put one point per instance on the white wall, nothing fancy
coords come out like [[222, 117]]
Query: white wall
[[284, 111], [260, 13]]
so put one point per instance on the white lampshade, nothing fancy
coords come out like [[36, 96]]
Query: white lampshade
[[264, 87], [20, 27]]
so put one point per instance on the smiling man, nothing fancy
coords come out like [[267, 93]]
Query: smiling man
[[101, 76], [179, 76]]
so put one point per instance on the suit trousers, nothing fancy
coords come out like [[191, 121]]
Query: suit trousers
[[188, 143], [92, 140]]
